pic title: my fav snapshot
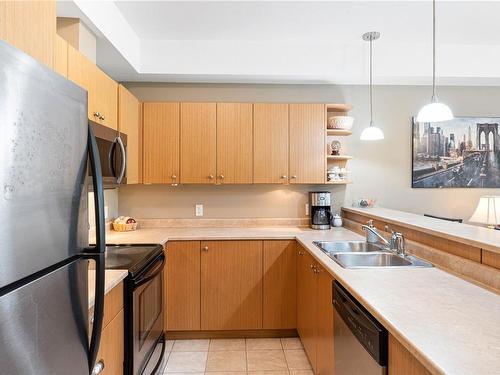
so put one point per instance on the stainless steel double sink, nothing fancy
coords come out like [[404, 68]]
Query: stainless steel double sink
[[358, 254]]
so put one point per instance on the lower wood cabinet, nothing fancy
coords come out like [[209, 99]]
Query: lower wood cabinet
[[315, 312], [279, 284], [182, 286], [111, 350], [402, 362], [231, 285]]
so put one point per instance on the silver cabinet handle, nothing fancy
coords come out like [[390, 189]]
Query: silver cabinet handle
[[221, 176], [102, 117], [174, 180], [293, 176], [99, 366], [210, 176], [301, 253], [124, 160], [283, 176], [97, 114], [205, 248]]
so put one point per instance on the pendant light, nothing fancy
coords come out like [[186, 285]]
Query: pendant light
[[434, 111], [371, 133]]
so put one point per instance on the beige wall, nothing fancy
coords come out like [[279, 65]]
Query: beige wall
[[380, 170]]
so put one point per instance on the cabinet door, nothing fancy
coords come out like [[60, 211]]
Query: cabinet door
[[231, 285], [161, 132], [234, 143], [102, 90], [198, 143], [325, 352], [105, 93], [280, 280], [129, 122], [401, 361], [30, 26], [111, 348], [182, 279], [270, 143], [307, 144], [61, 56], [307, 303]]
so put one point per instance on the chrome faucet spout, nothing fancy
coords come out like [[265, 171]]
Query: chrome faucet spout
[[376, 233]]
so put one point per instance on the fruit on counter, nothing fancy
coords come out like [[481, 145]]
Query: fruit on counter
[[124, 220]]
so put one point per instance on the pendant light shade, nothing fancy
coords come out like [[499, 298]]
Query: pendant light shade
[[371, 133], [434, 111]]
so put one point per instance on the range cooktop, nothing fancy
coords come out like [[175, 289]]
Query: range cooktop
[[133, 258]]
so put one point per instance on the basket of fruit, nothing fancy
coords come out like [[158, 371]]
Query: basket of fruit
[[124, 224]]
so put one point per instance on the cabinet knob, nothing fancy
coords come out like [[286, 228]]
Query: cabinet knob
[[210, 176], [173, 177], [97, 114], [99, 366], [102, 117], [283, 176], [294, 176], [221, 176], [301, 253], [312, 267], [318, 269], [205, 248]]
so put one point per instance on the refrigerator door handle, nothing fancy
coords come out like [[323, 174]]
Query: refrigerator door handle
[[99, 249]]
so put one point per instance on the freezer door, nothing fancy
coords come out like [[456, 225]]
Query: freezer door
[[42, 325], [43, 156]]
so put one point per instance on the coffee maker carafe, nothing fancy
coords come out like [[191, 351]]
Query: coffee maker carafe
[[320, 212]]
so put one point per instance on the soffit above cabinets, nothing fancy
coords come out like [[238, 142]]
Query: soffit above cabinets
[[292, 42]]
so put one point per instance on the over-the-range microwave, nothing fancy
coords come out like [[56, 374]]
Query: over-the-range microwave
[[112, 147]]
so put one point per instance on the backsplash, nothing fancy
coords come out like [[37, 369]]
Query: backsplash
[[110, 206]]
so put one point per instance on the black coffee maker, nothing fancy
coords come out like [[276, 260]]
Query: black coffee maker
[[320, 212]]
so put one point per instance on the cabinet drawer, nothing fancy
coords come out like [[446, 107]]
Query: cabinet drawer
[[113, 303]]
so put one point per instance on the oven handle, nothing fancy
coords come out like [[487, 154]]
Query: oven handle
[[152, 274], [163, 340]]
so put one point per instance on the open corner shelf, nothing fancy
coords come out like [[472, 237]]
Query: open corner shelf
[[338, 132], [338, 107], [339, 157], [346, 182]]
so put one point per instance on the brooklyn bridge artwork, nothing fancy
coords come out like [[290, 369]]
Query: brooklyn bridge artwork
[[461, 153]]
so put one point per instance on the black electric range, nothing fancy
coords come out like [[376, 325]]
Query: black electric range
[[143, 292]]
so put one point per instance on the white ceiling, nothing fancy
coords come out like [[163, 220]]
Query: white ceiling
[[285, 42]]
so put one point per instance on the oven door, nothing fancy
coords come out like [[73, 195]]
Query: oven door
[[112, 147], [148, 315]]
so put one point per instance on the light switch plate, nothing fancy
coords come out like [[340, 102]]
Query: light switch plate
[[199, 210]]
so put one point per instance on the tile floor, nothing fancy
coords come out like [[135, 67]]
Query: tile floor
[[284, 356]]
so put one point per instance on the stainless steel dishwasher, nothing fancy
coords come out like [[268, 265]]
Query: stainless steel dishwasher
[[360, 340]]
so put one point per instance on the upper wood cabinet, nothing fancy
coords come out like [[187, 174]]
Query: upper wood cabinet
[[182, 286], [307, 144], [279, 284], [270, 143], [129, 122], [231, 285], [198, 143], [234, 143], [61, 56], [102, 90], [161, 134], [30, 26]]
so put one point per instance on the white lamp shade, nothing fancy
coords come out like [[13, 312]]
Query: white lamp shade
[[487, 211], [371, 133], [435, 112]]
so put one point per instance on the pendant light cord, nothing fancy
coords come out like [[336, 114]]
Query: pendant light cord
[[434, 99], [371, 81]]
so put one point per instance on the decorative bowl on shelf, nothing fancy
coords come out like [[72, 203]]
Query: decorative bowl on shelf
[[340, 122], [124, 224]]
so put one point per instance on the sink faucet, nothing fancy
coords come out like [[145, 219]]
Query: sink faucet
[[396, 243]]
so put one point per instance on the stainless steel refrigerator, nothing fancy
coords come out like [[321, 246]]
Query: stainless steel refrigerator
[[46, 147]]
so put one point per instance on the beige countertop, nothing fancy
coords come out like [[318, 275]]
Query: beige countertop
[[473, 235], [112, 278], [450, 325]]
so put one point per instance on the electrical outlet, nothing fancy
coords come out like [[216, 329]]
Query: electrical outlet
[[199, 210], [106, 212], [307, 209]]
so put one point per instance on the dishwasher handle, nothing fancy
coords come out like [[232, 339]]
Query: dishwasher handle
[[368, 331]]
